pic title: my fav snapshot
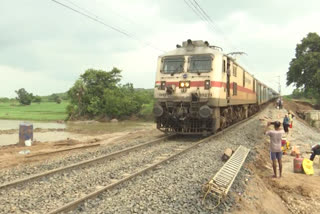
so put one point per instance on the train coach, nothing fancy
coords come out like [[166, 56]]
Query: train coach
[[200, 90]]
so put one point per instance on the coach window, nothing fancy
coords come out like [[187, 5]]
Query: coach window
[[200, 64], [173, 65]]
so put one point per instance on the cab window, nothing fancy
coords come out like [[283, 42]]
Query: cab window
[[173, 65], [200, 64]]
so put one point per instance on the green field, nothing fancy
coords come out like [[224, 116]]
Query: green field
[[45, 111]]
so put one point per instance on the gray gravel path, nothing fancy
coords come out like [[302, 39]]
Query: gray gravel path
[[176, 187]]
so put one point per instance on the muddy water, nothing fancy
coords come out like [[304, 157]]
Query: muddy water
[[74, 130], [14, 124], [8, 139]]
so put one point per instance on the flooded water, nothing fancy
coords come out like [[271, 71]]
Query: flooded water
[[74, 130], [14, 124], [8, 139]]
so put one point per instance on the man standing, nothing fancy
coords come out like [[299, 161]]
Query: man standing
[[275, 146], [291, 116], [286, 123]]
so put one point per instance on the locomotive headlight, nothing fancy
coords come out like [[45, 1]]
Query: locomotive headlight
[[187, 84], [207, 84], [184, 84], [163, 85]]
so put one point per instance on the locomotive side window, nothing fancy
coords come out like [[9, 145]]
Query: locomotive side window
[[234, 70], [173, 65], [200, 64], [224, 66], [235, 88], [244, 78]]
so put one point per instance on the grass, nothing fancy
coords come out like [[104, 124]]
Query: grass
[[45, 111], [303, 99]]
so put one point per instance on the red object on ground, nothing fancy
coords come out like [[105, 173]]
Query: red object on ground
[[297, 164], [283, 142]]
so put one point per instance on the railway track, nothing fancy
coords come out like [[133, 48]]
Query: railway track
[[161, 160], [76, 173], [46, 191], [82, 163]]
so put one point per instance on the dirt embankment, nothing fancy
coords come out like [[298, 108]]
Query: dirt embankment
[[42, 151], [297, 107], [293, 192]]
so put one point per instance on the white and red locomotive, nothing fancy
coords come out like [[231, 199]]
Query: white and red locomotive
[[199, 90]]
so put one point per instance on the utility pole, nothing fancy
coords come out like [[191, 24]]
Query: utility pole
[[279, 85]]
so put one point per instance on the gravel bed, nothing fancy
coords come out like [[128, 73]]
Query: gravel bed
[[14, 173], [177, 186], [48, 193]]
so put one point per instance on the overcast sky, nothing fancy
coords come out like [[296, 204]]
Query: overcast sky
[[44, 47]]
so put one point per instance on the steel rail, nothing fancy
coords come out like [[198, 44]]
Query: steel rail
[[108, 156], [74, 204]]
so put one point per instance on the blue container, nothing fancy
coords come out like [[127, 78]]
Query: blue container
[[25, 132]]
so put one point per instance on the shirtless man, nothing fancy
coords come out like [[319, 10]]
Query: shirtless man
[[275, 146]]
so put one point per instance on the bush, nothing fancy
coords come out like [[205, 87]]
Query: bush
[[37, 99]]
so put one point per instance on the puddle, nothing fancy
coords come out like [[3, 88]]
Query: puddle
[[14, 124]]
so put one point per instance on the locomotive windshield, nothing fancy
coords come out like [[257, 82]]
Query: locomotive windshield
[[173, 65], [200, 64]]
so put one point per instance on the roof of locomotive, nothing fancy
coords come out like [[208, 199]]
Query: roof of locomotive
[[198, 47], [194, 47]]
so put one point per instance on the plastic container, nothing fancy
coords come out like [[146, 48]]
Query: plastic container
[[297, 164]]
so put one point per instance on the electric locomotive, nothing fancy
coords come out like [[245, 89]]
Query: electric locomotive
[[199, 90]]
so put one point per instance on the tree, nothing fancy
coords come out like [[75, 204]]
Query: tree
[[121, 101], [86, 96], [37, 99], [24, 97], [304, 70], [54, 98], [58, 100], [98, 94]]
